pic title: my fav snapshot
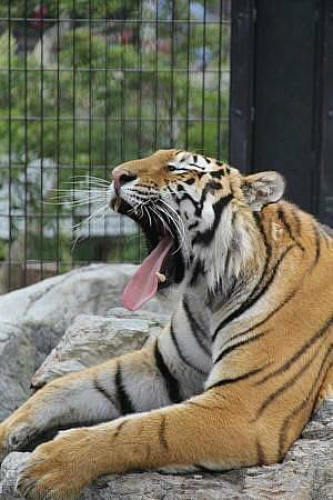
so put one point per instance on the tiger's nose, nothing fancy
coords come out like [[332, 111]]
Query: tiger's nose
[[121, 177]]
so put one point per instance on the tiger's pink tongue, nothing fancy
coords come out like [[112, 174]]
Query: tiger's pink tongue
[[144, 283]]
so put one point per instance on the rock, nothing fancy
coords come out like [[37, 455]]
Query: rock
[[155, 486], [17, 363], [321, 424], [305, 474], [33, 319], [92, 289], [94, 339], [152, 314], [10, 468]]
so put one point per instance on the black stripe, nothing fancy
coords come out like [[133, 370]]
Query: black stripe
[[161, 435], [193, 225], [120, 426], [171, 383], [260, 453], [268, 248], [186, 196], [297, 219], [299, 353], [254, 297], [198, 269], [227, 381], [101, 390], [197, 166], [229, 349], [286, 385], [227, 260], [204, 193], [214, 186], [181, 355], [217, 173], [282, 217], [270, 315], [196, 328], [206, 237], [312, 394], [317, 241], [177, 267], [247, 303], [125, 402], [189, 181]]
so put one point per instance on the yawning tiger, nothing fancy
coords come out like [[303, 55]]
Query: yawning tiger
[[245, 358]]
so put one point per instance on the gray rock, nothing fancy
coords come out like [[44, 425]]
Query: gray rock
[[305, 474], [10, 468], [33, 319], [94, 339], [154, 313], [17, 362], [321, 424], [92, 289]]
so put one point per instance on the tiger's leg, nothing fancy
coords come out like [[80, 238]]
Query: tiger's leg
[[135, 382], [207, 431]]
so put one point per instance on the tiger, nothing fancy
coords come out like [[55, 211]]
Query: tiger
[[241, 365]]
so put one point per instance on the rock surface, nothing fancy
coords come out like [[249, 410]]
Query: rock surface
[[93, 339], [92, 330], [33, 320]]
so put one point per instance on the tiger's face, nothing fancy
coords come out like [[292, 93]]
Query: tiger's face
[[185, 204]]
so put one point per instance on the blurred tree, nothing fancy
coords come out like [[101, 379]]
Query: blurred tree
[[98, 87]]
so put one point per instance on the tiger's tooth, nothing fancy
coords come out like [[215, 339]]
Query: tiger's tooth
[[161, 277]]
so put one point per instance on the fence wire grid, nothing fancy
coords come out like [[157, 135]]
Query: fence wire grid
[[86, 85]]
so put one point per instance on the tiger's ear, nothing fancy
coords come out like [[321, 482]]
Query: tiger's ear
[[263, 188]]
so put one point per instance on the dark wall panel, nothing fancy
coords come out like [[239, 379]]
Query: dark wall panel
[[326, 184], [241, 88], [285, 99]]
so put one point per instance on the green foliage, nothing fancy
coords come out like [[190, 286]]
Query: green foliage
[[94, 99], [100, 8]]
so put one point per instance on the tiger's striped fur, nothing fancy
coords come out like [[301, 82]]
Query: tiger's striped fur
[[247, 354]]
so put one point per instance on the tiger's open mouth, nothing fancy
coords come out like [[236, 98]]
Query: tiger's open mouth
[[156, 269]]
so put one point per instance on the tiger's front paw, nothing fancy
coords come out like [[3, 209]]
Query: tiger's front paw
[[14, 436], [56, 470]]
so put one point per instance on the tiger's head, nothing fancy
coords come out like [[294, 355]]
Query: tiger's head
[[196, 213]]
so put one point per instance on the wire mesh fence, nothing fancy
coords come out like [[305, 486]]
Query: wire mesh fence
[[86, 85]]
